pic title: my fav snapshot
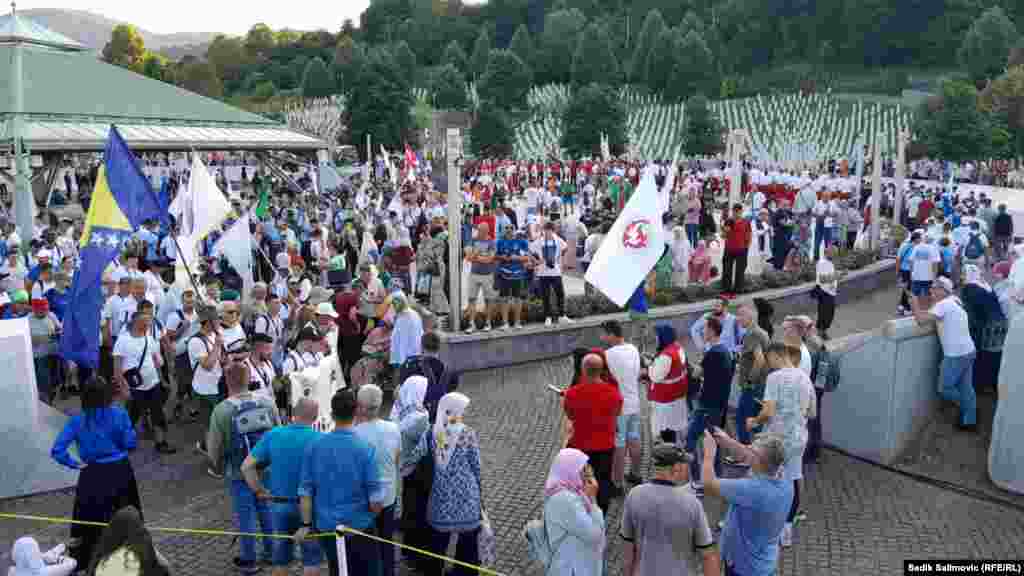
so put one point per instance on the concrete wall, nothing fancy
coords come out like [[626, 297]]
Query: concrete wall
[[494, 349], [887, 392]]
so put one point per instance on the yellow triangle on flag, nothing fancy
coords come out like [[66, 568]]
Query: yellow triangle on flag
[[104, 210]]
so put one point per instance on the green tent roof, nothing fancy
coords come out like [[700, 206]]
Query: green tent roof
[[72, 84], [71, 98], [14, 28]]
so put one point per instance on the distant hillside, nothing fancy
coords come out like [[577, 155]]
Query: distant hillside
[[94, 30]]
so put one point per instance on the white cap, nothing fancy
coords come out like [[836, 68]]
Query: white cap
[[44, 254]]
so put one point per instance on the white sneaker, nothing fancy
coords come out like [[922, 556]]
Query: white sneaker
[[471, 328], [547, 321], [487, 327], [565, 320], [505, 327], [787, 536], [519, 325]]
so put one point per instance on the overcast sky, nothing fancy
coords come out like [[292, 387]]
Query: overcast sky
[[229, 16]]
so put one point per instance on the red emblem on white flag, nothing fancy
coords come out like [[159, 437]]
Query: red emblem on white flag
[[636, 233]]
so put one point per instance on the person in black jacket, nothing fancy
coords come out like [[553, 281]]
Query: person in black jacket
[[717, 368], [1003, 232], [440, 380]]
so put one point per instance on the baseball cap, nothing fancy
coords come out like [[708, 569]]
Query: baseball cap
[[667, 455]]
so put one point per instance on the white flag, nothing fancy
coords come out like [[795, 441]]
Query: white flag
[[632, 247], [342, 557], [208, 206], [236, 246]]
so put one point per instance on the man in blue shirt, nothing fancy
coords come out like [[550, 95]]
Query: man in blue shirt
[[281, 453], [758, 504], [148, 235], [513, 252], [339, 474], [731, 335]]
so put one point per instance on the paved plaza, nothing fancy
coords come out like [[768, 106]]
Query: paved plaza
[[861, 519]]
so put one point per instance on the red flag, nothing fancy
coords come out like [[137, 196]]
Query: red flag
[[410, 158]]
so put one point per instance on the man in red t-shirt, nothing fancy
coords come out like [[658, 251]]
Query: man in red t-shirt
[[924, 210], [592, 407], [738, 235], [350, 341]]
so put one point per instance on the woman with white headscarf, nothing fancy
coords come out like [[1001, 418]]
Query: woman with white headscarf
[[455, 505], [681, 251], [574, 523], [29, 561], [1016, 282], [988, 327]]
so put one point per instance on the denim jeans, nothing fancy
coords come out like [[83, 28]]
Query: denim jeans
[[819, 235], [248, 511], [956, 376], [745, 408], [700, 420], [287, 520], [691, 233], [386, 524]]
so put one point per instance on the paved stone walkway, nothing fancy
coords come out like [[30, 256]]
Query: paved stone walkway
[[861, 519]]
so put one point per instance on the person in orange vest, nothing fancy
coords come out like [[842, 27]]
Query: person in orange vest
[[668, 386]]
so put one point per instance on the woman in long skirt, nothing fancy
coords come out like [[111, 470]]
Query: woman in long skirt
[[668, 388], [104, 435]]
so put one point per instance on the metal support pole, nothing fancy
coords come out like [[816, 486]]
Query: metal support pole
[[369, 157], [24, 202], [454, 158], [876, 198], [901, 171]]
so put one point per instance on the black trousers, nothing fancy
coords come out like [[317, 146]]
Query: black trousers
[[814, 440], [102, 490], [734, 270], [826, 311], [550, 284], [986, 371], [151, 401], [601, 462]]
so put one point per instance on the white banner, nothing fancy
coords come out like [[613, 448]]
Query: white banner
[[632, 247]]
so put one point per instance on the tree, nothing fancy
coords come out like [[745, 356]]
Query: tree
[[553, 59], [379, 100], [594, 60], [661, 60], [126, 48], [228, 57], [456, 56], [406, 60], [650, 34], [702, 131], [201, 78], [522, 45], [694, 70], [491, 135], [449, 88], [316, 80], [154, 66], [987, 45], [481, 53], [505, 82], [259, 41], [594, 110], [956, 129]]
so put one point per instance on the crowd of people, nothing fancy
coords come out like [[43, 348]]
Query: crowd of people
[[361, 275]]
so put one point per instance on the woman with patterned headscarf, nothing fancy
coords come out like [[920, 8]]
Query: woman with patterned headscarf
[[455, 504]]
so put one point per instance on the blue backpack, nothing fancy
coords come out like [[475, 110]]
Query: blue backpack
[[975, 248], [251, 420]]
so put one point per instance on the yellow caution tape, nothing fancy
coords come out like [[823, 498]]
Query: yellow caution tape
[[199, 532]]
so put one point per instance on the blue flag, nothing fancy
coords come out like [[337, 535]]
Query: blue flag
[[122, 199]]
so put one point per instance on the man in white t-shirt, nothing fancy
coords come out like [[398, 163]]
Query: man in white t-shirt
[[547, 253], [925, 262], [828, 287], [958, 351], [205, 351], [623, 361], [137, 368], [533, 193]]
